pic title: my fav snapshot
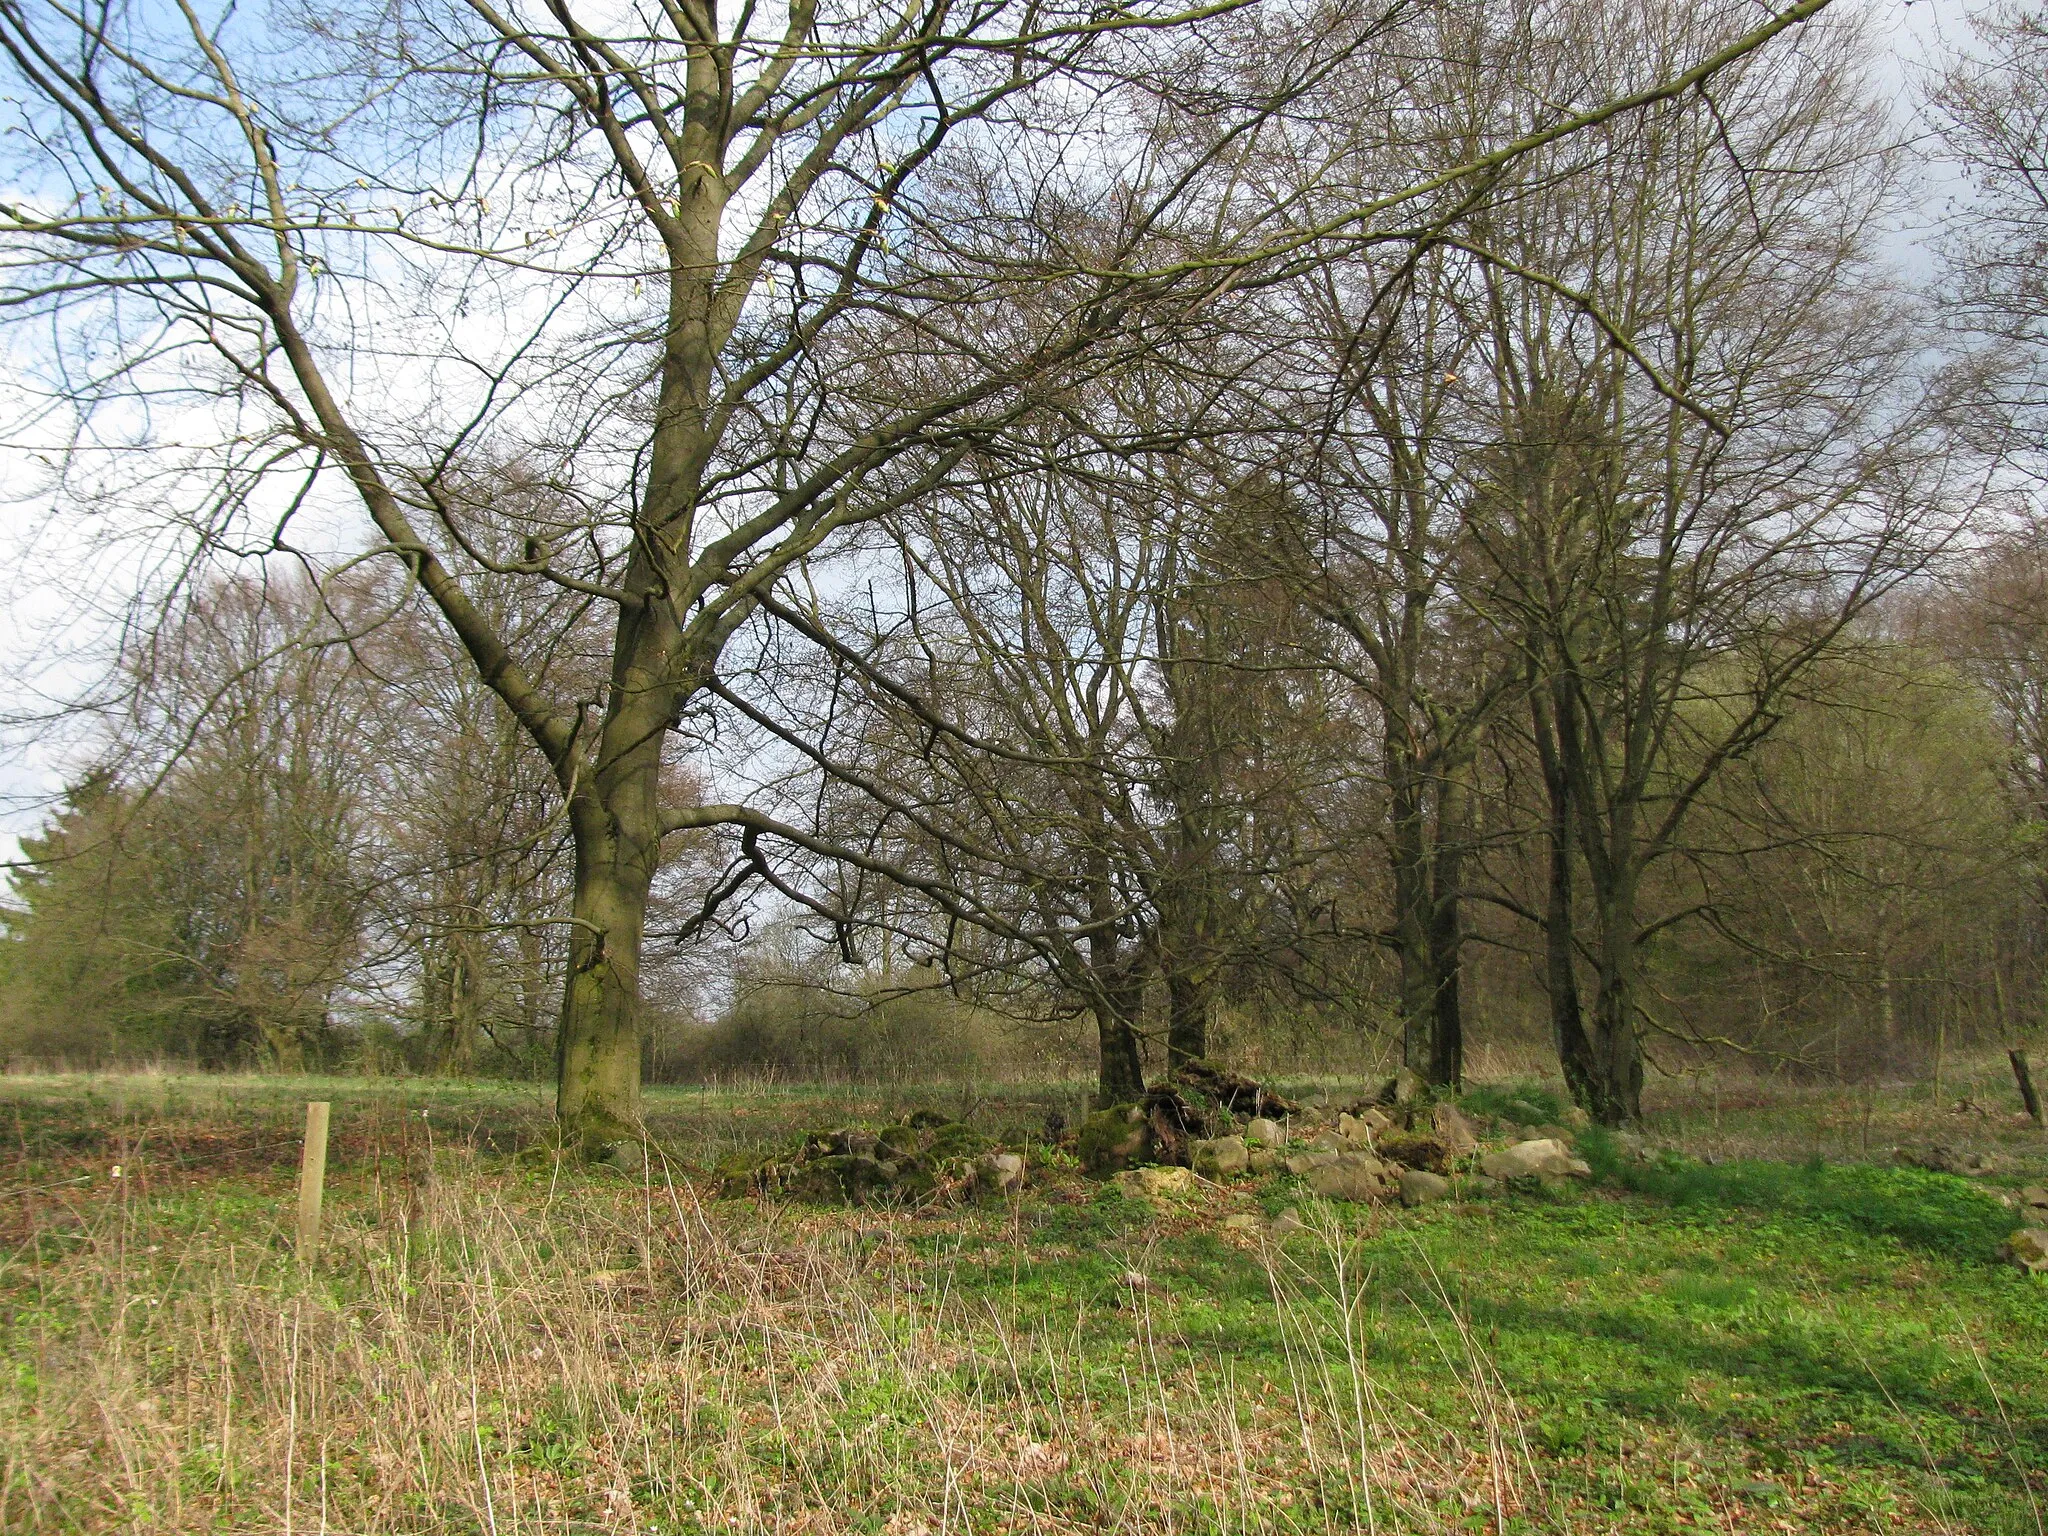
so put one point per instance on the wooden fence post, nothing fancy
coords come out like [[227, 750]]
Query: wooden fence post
[[312, 1179]]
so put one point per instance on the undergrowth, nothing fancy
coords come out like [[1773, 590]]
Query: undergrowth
[[1936, 1211], [492, 1343]]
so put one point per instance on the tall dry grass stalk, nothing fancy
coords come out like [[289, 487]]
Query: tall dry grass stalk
[[508, 1356]]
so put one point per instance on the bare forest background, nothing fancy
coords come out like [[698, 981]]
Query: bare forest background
[[997, 541]]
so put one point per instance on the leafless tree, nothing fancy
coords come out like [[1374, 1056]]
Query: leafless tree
[[1076, 731], [1710, 463], [1991, 111], [728, 284]]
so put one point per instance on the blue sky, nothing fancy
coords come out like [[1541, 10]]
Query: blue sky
[[1914, 36]]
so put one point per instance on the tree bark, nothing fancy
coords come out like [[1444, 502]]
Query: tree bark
[[1447, 942], [597, 1100], [1116, 989], [1575, 1055], [1617, 1096], [1120, 1074], [2023, 1075], [1119, 998], [616, 823], [1187, 1016], [1412, 908]]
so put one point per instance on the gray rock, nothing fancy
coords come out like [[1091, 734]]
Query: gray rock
[[1331, 1141], [1262, 1132], [1222, 1158], [1479, 1186], [1287, 1221], [1260, 1162], [1157, 1183], [1243, 1221], [1364, 1125], [999, 1173], [1543, 1159], [1353, 1176], [1454, 1130], [1576, 1118], [2034, 1198], [1300, 1163], [1419, 1186], [2027, 1249], [626, 1156], [1409, 1088], [1358, 1131]]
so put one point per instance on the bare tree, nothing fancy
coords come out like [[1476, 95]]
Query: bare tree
[[1991, 111], [1075, 729], [1996, 631], [1710, 464], [309, 221], [732, 284]]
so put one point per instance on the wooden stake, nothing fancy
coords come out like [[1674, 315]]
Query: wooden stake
[[312, 1179], [2025, 1079]]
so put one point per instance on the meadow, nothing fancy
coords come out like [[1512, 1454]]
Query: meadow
[[1766, 1323]]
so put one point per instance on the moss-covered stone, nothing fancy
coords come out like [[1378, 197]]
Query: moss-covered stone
[[848, 1141], [841, 1179], [749, 1172], [1114, 1139], [955, 1143], [1412, 1150], [911, 1181]]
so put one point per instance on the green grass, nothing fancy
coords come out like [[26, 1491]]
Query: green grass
[[1933, 1211], [1750, 1340], [1757, 1344], [1522, 1102]]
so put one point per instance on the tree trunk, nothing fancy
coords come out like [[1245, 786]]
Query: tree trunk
[[597, 1098], [2022, 1073], [1418, 992], [452, 1000], [1120, 1075], [1446, 945], [1617, 1096], [1575, 1056], [1118, 1000], [283, 1043], [1412, 947], [1187, 1015], [1447, 934], [617, 827]]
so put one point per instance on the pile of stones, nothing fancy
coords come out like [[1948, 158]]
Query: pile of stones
[[1394, 1146], [922, 1159], [2027, 1248], [1204, 1124], [1942, 1159]]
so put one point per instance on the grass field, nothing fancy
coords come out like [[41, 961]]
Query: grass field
[[1767, 1327]]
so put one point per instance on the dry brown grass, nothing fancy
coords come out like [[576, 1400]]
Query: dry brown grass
[[511, 1347], [508, 1353]]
